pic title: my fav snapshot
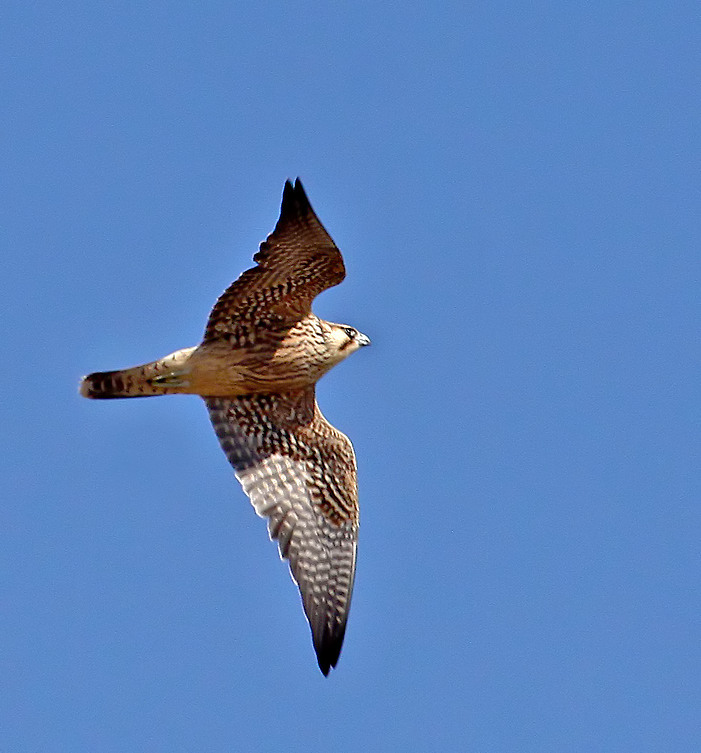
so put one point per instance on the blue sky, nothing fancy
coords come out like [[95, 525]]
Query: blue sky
[[515, 189]]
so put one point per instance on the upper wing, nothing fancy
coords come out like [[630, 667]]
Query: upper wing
[[294, 264], [300, 473]]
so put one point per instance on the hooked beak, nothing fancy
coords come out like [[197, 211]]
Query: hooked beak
[[362, 339]]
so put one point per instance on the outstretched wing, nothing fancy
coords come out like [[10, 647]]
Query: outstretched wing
[[294, 264], [300, 473]]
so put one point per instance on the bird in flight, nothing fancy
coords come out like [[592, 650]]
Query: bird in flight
[[257, 367]]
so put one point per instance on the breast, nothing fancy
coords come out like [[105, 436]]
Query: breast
[[294, 359]]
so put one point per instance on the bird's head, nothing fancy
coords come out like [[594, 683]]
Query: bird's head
[[343, 340]]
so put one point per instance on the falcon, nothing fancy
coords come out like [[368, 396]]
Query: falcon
[[257, 367]]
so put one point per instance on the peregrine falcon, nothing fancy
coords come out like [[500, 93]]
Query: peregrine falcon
[[263, 352]]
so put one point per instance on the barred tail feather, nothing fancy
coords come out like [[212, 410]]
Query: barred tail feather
[[105, 385], [163, 377]]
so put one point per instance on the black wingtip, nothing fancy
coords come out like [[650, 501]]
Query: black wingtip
[[299, 190], [328, 650], [295, 204], [327, 660], [325, 664]]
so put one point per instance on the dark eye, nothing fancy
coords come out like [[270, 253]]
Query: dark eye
[[349, 331]]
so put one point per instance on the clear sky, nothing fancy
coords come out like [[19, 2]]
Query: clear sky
[[515, 189]]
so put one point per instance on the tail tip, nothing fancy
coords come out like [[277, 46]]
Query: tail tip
[[86, 387], [102, 385]]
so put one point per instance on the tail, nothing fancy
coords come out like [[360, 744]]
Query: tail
[[163, 377]]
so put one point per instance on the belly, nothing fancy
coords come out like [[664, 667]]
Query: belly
[[294, 361]]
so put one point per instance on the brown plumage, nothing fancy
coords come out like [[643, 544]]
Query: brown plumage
[[263, 352]]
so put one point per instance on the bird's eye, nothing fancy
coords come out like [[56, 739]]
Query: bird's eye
[[349, 331]]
